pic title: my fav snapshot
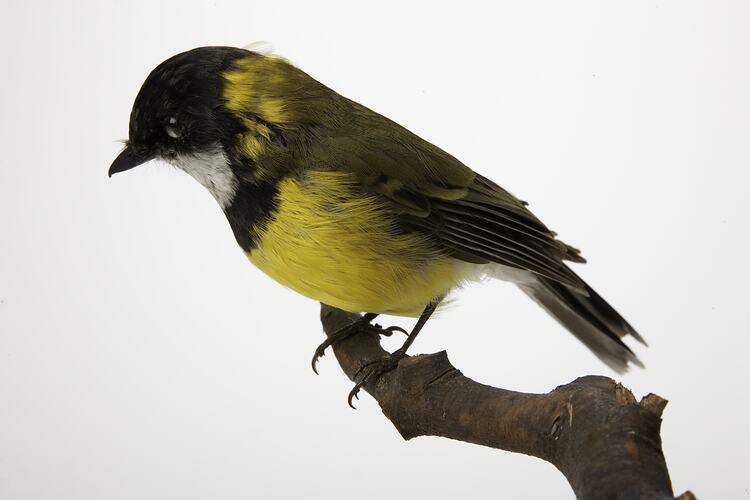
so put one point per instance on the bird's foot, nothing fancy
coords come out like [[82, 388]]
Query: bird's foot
[[359, 326], [372, 371]]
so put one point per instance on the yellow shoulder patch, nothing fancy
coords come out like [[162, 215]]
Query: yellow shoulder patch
[[250, 85]]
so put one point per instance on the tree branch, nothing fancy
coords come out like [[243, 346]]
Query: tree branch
[[593, 430]]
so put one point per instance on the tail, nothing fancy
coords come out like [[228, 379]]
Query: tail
[[589, 317]]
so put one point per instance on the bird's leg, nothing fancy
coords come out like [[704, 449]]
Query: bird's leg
[[362, 324], [375, 369]]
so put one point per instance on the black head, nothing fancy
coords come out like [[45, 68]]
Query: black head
[[179, 109]]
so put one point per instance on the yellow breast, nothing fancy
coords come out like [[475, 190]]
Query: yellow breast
[[334, 244]]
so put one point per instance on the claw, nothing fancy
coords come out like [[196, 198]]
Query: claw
[[373, 370], [389, 331], [315, 359], [319, 353], [353, 394], [347, 331], [377, 369]]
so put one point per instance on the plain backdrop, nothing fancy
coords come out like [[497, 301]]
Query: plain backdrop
[[142, 356]]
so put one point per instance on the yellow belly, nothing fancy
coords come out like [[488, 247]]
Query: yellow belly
[[336, 245]]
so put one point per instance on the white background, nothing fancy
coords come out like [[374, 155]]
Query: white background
[[142, 356]]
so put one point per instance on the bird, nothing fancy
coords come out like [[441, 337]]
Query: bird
[[349, 208]]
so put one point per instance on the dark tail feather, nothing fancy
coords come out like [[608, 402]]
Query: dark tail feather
[[590, 318]]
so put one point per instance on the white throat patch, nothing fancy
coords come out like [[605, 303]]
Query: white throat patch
[[212, 170]]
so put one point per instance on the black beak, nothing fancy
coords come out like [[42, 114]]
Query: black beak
[[127, 160]]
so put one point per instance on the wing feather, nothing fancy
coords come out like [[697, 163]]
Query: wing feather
[[430, 191]]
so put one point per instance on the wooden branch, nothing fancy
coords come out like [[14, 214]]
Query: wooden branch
[[593, 430]]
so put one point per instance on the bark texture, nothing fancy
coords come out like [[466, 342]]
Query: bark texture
[[605, 442]]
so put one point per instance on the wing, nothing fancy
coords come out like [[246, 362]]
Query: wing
[[467, 215]]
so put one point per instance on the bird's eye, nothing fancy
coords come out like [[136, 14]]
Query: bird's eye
[[171, 128]]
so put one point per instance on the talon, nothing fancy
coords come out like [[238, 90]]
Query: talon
[[353, 394], [372, 371], [392, 329], [319, 353], [388, 331], [379, 367], [315, 359], [339, 335]]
